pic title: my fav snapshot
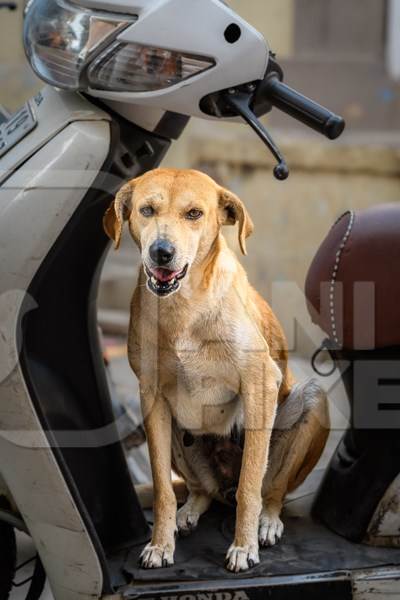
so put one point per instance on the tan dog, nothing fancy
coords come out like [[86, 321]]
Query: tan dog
[[210, 357]]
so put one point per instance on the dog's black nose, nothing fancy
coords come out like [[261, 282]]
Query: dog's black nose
[[161, 252]]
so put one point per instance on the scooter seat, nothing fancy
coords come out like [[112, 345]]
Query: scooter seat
[[353, 284]]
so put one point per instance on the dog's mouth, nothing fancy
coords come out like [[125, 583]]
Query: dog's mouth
[[162, 281]]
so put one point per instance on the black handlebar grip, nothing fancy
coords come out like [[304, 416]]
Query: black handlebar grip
[[303, 109]]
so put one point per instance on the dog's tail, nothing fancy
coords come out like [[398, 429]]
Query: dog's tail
[[303, 398], [145, 493], [307, 404]]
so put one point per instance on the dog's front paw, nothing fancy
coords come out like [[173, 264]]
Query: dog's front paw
[[241, 558], [186, 520], [270, 529], [154, 557]]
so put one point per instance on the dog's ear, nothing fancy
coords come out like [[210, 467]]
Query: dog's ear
[[118, 212], [233, 210]]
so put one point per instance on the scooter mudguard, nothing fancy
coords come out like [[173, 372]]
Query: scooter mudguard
[[60, 455]]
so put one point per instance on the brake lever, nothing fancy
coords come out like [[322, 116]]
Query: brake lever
[[239, 100]]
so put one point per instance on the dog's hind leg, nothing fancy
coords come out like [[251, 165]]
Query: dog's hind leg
[[192, 465], [189, 514], [193, 504], [300, 432]]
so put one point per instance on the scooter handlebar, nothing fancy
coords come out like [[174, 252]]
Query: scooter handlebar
[[302, 108], [252, 100]]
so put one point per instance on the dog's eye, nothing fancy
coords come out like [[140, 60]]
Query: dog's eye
[[194, 214], [147, 211]]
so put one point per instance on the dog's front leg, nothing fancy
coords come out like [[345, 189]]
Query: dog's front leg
[[259, 396], [159, 552]]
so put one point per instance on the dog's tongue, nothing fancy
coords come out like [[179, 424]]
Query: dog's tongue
[[164, 274]]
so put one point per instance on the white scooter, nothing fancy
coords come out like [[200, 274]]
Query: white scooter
[[124, 77]]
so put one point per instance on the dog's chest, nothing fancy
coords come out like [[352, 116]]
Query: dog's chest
[[204, 394]]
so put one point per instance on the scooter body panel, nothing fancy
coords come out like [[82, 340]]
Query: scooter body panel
[[52, 111], [37, 200], [61, 457], [197, 28]]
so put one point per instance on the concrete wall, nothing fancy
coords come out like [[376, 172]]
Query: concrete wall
[[274, 19]]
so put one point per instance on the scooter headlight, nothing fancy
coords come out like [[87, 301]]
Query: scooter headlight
[[76, 48], [60, 39], [129, 67]]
